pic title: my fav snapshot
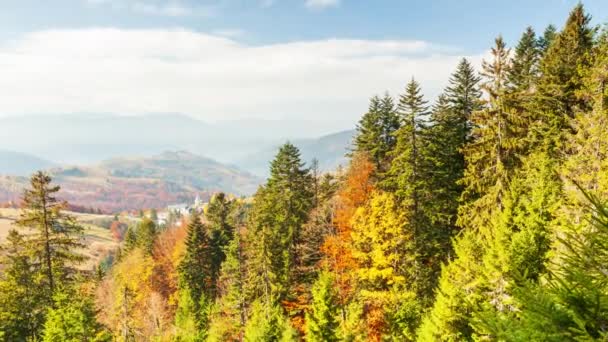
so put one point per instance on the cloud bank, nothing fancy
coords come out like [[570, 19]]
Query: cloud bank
[[211, 77]]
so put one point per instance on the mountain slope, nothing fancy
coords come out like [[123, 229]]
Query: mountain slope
[[21, 164], [134, 183], [330, 150]]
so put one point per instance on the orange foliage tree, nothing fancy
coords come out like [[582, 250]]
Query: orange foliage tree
[[356, 189]]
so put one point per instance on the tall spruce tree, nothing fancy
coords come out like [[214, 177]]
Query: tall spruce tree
[[221, 231], [492, 155], [56, 237], [546, 39], [408, 179], [195, 268], [570, 305], [322, 321], [375, 131], [464, 97], [279, 210], [22, 303], [523, 73], [587, 144], [560, 80]]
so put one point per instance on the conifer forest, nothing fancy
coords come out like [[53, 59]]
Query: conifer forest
[[479, 215]]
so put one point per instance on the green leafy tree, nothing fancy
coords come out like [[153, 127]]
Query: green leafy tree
[[322, 321], [268, 323], [382, 246], [73, 319]]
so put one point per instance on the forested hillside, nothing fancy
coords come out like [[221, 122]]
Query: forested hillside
[[478, 216], [140, 182]]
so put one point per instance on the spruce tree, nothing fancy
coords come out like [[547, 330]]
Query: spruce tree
[[560, 80], [146, 234], [230, 317], [56, 235], [22, 303], [279, 210], [375, 131], [195, 267], [464, 97], [587, 144], [73, 319], [546, 39], [322, 320], [492, 154], [523, 73], [221, 231]]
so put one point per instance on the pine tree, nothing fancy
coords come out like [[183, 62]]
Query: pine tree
[[230, 317], [404, 174], [560, 80], [279, 210], [22, 305], [186, 319], [408, 179], [570, 305], [221, 231], [587, 145], [322, 321], [523, 73], [493, 153], [268, 323], [375, 131], [547, 39], [464, 96], [56, 235], [195, 267], [146, 234], [458, 294], [73, 319], [490, 156]]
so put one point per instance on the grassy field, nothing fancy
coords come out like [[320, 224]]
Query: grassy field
[[97, 239]]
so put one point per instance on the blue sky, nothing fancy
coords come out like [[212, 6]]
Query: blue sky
[[240, 59], [466, 24]]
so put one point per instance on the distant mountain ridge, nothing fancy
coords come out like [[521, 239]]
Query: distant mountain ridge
[[329, 150], [133, 183], [21, 164], [91, 138]]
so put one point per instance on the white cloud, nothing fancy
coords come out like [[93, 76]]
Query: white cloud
[[108, 70], [229, 33], [321, 4]]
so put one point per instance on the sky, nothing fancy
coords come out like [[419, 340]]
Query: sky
[[316, 60]]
